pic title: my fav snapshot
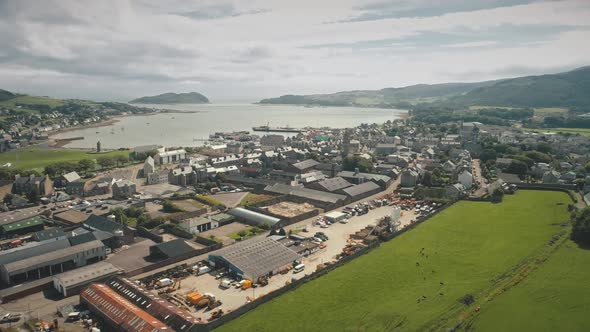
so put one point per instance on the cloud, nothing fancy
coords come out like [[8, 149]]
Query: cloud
[[252, 49]]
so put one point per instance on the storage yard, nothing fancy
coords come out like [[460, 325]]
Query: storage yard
[[264, 263], [289, 209]]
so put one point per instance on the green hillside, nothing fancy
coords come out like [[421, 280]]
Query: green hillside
[[569, 89], [5, 95], [173, 98], [416, 281]]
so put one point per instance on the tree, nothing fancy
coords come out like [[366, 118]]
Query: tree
[[517, 167], [282, 232], [427, 179], [487, 154], [120, 215], [539, 157], [497, 195], [352, 163], [581, 227], [242, 233], [170, 207], [121, 160], [105, 162], [86, 164], [8, 198]]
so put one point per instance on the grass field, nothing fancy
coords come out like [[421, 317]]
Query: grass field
[[414, 282], [550, 110], [38, 158], [581, 131], [252, 198], [33, 100], [556, 297]]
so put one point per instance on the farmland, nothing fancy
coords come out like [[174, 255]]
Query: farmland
[[37, 158], [553, 298], [581, 131], [415, 281]]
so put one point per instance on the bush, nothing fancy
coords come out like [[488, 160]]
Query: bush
[[581, 227], [170, 207], [468, 299], [497, 195], [210, 201]]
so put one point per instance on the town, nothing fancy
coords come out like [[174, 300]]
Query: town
[[191, 237]]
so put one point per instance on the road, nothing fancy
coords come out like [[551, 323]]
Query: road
[[476, 169]]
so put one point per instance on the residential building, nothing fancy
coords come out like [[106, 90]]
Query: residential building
[[272, 140], [170, 157], [161, 176], [409, 178], [43, 186], [551, 177], [123, 189], [466, 179], [455, 191], [76, 188], [149, 166]]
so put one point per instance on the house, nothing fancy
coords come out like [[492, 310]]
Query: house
[[156, 177], [466, 179], [551, 177], [409, 178], [111, 233], [170, 157], [43, 186], [149, 166], [182, 176], [303, 166], [383, 149], [455, 191], [123, 189], [198, 225], [272, 140], [75, 188], [568, 177], [495, 185], [63, 180], [449, 166]]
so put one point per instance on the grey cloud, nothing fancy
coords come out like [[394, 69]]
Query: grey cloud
[[217, 11]]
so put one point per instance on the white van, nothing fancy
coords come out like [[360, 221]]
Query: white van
[[225, 284], [299, 268], [203, 270]]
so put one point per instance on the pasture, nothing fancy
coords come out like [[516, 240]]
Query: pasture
[[416, 281]]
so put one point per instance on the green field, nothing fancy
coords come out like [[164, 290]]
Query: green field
[[38, 158], [32, 100], [470, 248], [581, 131], [550, 110], [556, 297]]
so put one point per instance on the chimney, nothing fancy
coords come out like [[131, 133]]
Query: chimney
[[333, 171], [356, 171]]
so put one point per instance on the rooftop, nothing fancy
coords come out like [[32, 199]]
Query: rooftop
[[258, 256], [86, 274]]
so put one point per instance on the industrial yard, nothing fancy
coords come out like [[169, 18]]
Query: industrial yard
[[289, 209]]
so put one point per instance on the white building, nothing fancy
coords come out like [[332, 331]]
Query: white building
[[148, 166], [169, 157]]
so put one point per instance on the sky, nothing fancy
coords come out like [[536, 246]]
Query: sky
[[248, 50]]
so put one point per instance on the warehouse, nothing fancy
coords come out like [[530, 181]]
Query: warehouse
[[324, 200], [362, 190], [171, 315], [72, 282], [252, 218], [22, 227], [120, 314], [52, 262], [254, 258], [171, 249]]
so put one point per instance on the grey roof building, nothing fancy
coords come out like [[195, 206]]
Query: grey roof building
[[362, 190], [319, 198], [52, 262], [254, 258], [170, 249], [330, 185], [72, 282], [357, 177], [251, 217]]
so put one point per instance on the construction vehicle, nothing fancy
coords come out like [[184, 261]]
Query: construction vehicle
[[203, 300], [215, 314], [263, 281], [246, 284], [194, 298], [175, 285]]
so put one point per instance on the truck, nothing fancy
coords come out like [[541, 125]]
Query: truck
[[225, 284], [165, 282], [202, 270]]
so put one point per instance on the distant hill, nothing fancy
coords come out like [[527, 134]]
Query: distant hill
[[5, 95], [173, 98], [569, 89]]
